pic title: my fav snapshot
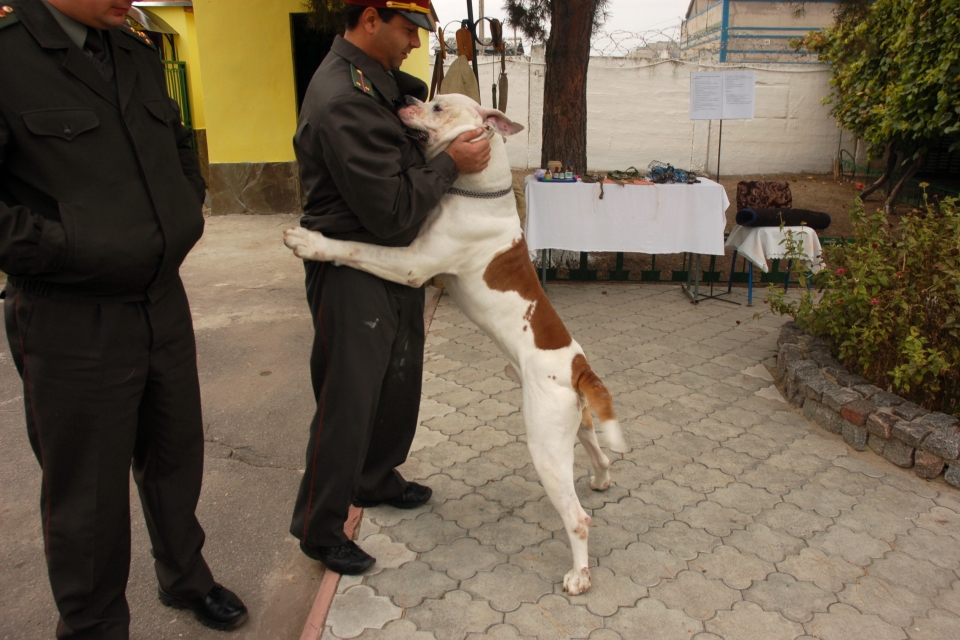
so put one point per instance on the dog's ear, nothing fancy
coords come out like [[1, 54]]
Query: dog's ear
[[496, 120]]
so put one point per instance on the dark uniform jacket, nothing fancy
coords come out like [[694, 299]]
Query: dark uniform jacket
[[100, 193], [363, 174]]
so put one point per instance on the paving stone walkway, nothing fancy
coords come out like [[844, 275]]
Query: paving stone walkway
[[732, 516]]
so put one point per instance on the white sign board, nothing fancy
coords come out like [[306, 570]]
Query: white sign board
[[722, 95]]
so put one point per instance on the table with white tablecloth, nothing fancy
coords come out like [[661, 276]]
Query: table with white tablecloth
[[759, 244], [637, 218]]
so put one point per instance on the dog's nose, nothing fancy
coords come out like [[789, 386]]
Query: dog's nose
[[410, 101]]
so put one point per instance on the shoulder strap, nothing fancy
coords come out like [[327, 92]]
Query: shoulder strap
[[139, 36], [361, 83], [7, 17]]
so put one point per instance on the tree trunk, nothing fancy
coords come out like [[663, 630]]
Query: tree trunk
[[887, 174], [565, 83], [888, 205]]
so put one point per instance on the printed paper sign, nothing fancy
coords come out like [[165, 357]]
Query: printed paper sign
[[722, 95]]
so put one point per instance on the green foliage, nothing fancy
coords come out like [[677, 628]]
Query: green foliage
[[326, 15], [531, 17], [896, 72], [889, 303]]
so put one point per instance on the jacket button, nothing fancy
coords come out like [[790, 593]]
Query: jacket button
[[67, 131]]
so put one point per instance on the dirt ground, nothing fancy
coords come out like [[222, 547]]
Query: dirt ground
[[817, 192]]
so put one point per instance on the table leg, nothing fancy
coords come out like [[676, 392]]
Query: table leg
[[543, 269], [750, 286], [733, 266]]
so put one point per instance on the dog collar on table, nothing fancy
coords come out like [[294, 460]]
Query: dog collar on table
[[480, 194]]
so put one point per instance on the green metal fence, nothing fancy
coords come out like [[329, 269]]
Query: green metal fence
[[177, 88]]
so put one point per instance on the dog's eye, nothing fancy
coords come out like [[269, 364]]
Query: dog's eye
[[437, 107]]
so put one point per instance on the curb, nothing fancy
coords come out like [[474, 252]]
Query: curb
[[865, 416], [317, 620]]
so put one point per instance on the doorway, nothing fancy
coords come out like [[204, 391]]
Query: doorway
[[310, 47]]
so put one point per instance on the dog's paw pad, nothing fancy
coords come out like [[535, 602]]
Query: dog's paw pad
[[576, 581]]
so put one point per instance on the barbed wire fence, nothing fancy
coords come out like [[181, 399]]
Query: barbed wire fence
[[616, 43], [621, 44]]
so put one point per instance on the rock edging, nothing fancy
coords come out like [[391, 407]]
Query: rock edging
[[904, 433]]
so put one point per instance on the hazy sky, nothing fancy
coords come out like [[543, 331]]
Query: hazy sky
[[626, 15]]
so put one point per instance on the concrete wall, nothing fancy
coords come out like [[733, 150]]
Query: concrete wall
[[639, 112]]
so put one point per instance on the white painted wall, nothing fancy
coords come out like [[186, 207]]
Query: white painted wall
[[639, 112]]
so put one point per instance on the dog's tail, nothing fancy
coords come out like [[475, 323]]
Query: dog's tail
[[588, 384]]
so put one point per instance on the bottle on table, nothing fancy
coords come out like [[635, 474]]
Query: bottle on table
[[569, 173], [547, 176]]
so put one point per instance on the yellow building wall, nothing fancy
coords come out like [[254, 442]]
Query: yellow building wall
[[188, 51], [246, 61]]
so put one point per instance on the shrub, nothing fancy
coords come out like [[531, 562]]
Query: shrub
[[889, 303]]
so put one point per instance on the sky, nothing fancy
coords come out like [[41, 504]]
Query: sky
[[626, 15]]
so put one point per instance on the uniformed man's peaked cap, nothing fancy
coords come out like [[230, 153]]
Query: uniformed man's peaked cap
[[416, 11]]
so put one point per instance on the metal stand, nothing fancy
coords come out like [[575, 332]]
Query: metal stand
[[694, 292]]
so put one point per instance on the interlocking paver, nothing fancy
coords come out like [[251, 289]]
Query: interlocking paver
[[859, 548], [894, 604], [843, 622], [732, 517], [463, 558], [826, 502], [713, 518], [749, 622], [454, 616], [827, 572], [936, 626], [735, 569], [882, 525], [652, 619], [698, 596], [765, 543], [797, 601], [554, 617]]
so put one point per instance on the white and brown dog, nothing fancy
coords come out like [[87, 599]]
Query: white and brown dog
[[473, 240]]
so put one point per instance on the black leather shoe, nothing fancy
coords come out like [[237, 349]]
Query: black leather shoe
[[220, 609], [412, 496], [345, 559]]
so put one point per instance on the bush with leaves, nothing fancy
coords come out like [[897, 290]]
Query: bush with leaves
[[889, 303], [896, 78]]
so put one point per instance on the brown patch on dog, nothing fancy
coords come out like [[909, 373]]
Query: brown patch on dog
[[588, 383], [512, 270]]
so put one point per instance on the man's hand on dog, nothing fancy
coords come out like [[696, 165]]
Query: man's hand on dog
[[470, 154]]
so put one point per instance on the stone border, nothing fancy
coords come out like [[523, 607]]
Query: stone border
[[867, 417]]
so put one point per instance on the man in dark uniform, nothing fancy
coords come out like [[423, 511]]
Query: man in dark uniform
[[100, 201], [365, 179]]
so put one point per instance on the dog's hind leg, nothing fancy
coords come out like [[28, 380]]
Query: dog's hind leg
[[600, 480], [550, 436]]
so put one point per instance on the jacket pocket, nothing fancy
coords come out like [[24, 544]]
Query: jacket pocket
[[61, 123], [161, 110]]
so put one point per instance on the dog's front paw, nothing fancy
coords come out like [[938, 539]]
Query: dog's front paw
[[303, 243], [577, 581]]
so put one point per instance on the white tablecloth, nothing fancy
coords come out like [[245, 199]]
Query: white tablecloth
[[665, 218], [758, 244]]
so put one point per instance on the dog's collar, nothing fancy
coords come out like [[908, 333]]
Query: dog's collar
[[480, 194]]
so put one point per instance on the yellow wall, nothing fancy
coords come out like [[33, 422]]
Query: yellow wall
[[246, 60], [186, 42], [248, 103]]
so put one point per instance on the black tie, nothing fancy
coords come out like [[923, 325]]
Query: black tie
[[94, 47]]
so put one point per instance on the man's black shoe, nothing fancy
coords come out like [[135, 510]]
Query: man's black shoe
[[345, 559], [220, 609], [412, 496]]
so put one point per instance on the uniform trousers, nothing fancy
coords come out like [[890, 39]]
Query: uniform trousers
[[366, 367], [106, 385]]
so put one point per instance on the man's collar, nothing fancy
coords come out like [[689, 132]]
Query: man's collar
[[76, 31], [383, 81]]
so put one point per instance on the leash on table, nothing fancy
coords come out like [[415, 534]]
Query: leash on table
[[619, 177]]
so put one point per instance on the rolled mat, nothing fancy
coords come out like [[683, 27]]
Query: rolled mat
[[816, 220]]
